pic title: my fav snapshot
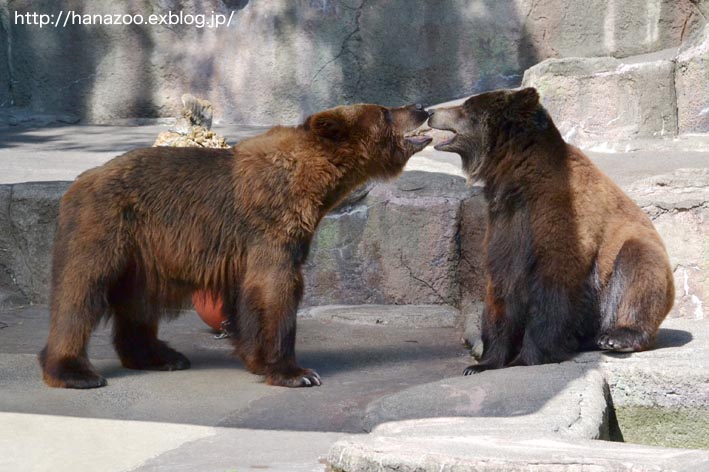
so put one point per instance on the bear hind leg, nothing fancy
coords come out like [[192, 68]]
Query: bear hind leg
[[139, 348], [64, 360], [135, 329], [636, 300]]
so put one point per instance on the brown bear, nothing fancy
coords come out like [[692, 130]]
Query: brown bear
[[571, 262], [138, 235]]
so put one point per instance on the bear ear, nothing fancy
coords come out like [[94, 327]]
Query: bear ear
[[328, 125], [525, 98]]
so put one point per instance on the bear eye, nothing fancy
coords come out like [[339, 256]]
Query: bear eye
[[387, 116]]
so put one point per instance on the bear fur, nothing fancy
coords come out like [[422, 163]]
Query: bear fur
[[138, 235], [572, 263]]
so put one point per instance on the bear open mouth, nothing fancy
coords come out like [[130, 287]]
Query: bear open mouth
[[441, 137], [448, 136], [419, 137]]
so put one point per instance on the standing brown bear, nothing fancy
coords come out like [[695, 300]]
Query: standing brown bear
[[138, 235], [572, 263]]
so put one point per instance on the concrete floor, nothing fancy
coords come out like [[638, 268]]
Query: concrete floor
[[240, 420]]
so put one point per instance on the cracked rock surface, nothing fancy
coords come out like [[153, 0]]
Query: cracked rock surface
[[294, 58]]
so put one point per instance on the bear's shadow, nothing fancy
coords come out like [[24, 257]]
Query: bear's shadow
[[325, 361], [672, 338]]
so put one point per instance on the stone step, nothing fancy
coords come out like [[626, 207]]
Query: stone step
[[606, 100], [398, 316], [618, 104], [549, 417], [509, 453]]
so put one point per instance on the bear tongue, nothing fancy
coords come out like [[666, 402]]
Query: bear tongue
[[443, 137], [419, 139]]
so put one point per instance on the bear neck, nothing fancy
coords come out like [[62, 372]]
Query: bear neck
[[325, 175], [349, 172], [519, 157]]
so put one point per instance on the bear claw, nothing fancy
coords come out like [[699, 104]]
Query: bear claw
[[306, 378], [623, 340], [474, 369], [607, 343]]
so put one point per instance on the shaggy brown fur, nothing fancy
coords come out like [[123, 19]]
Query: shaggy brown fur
[[138, 235], [572, 262]]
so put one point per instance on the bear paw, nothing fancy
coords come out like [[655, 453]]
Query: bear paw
[[158, 357], [622, 340], [70, 373], [302, 378]]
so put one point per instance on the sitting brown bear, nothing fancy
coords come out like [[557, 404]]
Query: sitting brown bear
[[138, 235], [572, 263]]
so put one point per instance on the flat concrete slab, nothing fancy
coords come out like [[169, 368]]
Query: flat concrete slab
[[58, 443], [63, 152]]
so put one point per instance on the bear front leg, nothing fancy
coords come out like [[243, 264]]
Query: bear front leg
[[266, 325], [498, 329], [551, 328]]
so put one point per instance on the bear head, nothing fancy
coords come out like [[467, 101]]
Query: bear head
[[373, 138], [488, 126]]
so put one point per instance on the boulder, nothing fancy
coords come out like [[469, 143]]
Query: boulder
[[678, 204], [28, 214], [569, 399], [400, 245], [692, 83], [597, 101]]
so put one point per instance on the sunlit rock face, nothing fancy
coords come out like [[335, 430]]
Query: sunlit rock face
[[277, 62]]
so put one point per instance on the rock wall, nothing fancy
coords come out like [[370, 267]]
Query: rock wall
[[414, 241], [5, 84], [595, 101], [279, 61], [692, 85]]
